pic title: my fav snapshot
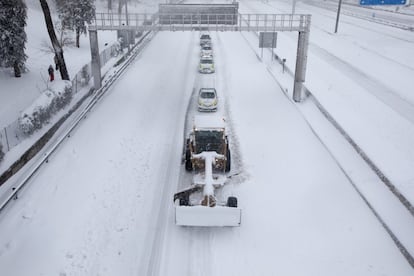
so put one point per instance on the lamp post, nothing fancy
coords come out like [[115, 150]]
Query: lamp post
[[337, 16], [293, 6]]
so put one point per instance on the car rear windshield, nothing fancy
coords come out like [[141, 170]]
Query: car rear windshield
[[207, 48], [207, 61], [207, 95], [205, 37]]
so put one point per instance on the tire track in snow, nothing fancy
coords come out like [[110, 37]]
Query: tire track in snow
[[155, 240], [200, 256], [198, 244], [200, 240]]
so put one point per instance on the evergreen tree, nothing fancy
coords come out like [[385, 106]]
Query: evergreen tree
[[75, 14], [13, 14]]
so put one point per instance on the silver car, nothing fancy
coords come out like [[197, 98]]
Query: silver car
[[206, 65], [207, 99]]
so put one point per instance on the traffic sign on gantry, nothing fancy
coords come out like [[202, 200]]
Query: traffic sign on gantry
[[267, 40], [382, 2]]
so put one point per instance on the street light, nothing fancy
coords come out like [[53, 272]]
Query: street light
[[293, 6], [337, 16]]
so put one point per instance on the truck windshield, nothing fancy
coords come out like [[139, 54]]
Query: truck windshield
[[209, 141]]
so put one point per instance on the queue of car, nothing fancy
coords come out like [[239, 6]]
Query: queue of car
[[207, 97], [205, 39], [206, 65]]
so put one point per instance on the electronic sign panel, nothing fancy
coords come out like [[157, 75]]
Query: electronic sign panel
[[382, 2]]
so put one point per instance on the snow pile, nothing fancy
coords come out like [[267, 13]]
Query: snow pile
[[57, 96]]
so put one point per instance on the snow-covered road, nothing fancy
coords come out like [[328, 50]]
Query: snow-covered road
[[103, 203]]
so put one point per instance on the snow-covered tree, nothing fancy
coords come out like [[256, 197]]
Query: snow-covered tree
[[13, 14], [75, 14]]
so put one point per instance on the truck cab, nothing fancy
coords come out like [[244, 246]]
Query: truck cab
[[208, 134]]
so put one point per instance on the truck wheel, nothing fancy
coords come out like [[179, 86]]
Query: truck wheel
[[232, 201], [228, 161], [188, 163], [184, 201]]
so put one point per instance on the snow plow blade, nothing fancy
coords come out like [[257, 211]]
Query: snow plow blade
[[207, 216]]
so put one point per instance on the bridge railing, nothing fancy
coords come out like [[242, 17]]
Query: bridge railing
[[118, 21], [185, 21]]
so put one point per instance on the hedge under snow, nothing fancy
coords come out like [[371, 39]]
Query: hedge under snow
[[53, 99]]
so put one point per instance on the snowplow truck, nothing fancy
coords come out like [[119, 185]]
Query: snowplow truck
[[208, 134], [207, 154]]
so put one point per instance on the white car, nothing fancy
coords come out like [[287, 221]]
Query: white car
[[206, 65], [206, 50], [207, 99]]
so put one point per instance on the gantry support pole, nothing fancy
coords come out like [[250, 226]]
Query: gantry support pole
[[301, 60], [96, 61]]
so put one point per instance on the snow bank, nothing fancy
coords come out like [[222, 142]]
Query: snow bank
[[57, 96]]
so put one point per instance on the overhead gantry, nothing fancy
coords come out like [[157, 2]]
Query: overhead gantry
[[206, 17]]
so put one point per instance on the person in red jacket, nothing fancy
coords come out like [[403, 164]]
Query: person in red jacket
[[51, 72]]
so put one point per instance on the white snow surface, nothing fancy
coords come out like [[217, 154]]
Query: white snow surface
[[205, 122], [102, 205]]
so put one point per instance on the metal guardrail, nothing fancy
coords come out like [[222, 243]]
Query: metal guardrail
[[185, 22]]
